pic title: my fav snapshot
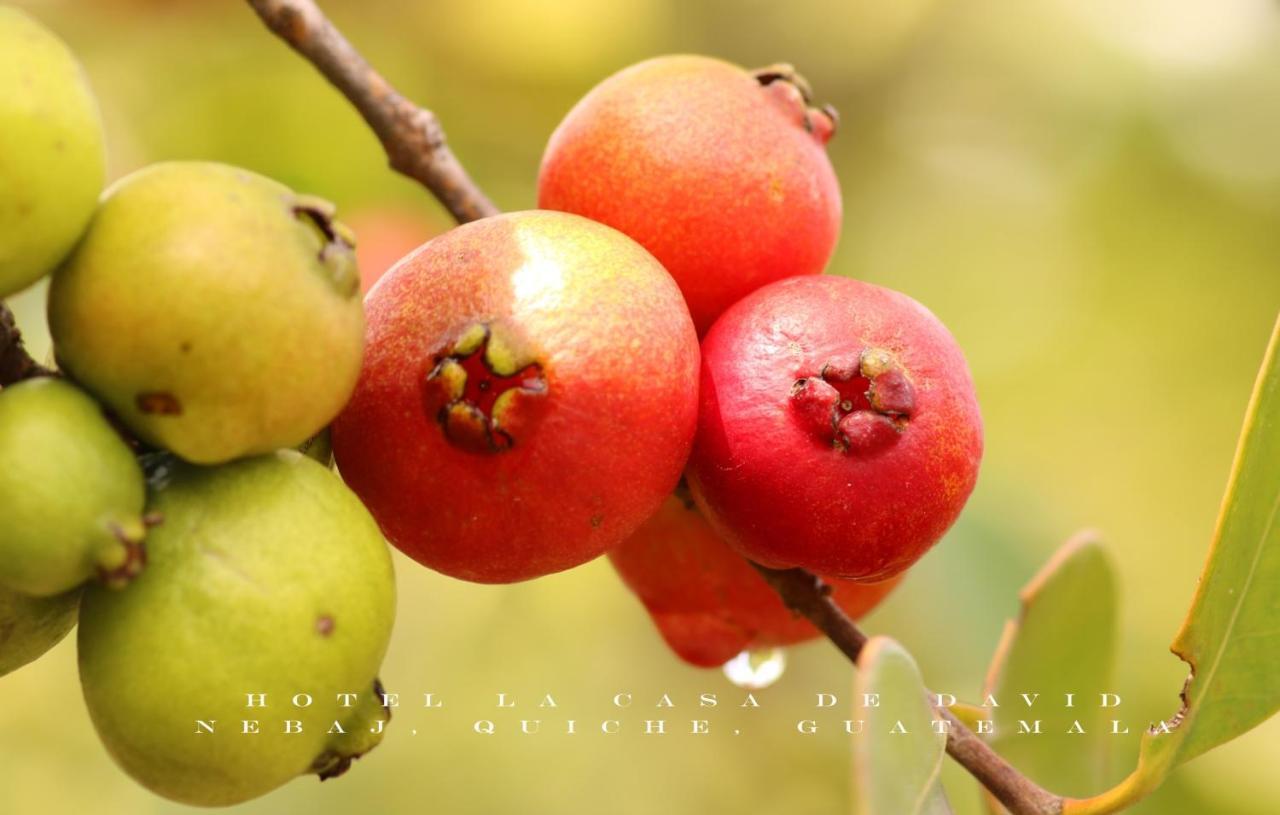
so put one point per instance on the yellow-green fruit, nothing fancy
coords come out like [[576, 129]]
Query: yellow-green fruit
[[30, 626], [267, 577], [51, 151], [71, 492], [214, 310]]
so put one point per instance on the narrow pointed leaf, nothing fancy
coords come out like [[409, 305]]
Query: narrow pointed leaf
[[897, 756], [1231, 636]]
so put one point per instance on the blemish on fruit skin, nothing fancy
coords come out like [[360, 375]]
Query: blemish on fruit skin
[[596, 521], [485, 389], [158, 403], [324, 625], [859, 404]]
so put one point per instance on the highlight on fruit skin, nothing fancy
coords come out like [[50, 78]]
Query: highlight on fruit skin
[[216, 312], [268, 577], [706, 601], [528, 396], [720, 172], [52, 154], [838, 430], [72, 495]]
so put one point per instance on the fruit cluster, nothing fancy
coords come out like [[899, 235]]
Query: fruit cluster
[[205, 319], [530, 394], [650, 366]]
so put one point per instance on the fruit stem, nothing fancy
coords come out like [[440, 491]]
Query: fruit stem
[[806, 594]]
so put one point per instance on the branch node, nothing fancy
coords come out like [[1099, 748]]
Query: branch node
[[411, 136]]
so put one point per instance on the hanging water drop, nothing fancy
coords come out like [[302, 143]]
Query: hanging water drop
[[756, 668]]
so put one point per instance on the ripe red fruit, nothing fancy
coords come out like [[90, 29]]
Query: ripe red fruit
[[708, 603], [721, 173], [838, 429], [528, 396]]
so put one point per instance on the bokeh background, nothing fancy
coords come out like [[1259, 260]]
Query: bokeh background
[[1086, 191]]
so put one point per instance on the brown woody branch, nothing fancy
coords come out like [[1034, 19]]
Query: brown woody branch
[[15, 363], [806, 594], [414, 143], [411, 136]]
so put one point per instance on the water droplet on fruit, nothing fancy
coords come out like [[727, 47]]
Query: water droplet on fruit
[[756, 668]]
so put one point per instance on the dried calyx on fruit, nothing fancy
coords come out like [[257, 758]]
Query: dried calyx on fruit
[[793, 92], [485, 388], [859, 405]]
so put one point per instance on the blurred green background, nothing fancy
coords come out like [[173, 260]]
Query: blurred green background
[[1086, 191]]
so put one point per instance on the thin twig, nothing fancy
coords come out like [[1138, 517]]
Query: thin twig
[[411, 136], [414, 143], [15, 363], [806, 594]]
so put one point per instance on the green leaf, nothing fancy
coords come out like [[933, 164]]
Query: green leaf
[[897, 756], [1231, 637], [1063, 642]]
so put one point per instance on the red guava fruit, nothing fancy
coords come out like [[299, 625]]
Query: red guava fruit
[[838, 429], [707, 602], [720, 172], [528, 396]]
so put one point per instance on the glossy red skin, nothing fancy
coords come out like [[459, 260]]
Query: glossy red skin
[[620, 359], [785, 497], [710, 171], [707, 602]]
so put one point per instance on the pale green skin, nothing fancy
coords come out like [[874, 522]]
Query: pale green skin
[[30, 626], [52, 161], [251, 556], [71, 491], [200, 285]]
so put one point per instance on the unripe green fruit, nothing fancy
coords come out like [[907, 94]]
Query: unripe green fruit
[[30, 626], [51, 151], [267, 577], [215, 311], [71, 492]]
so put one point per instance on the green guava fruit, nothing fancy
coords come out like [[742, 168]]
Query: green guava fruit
[[52, 160], [215, 311], [269, 577], [71, 492], [30, 626]]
